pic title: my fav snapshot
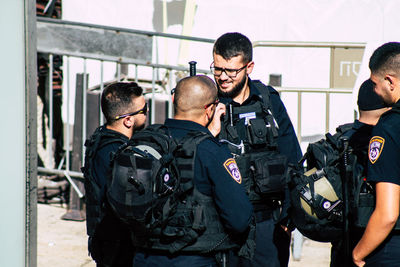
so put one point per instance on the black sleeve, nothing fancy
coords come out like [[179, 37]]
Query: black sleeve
[[287, 142]]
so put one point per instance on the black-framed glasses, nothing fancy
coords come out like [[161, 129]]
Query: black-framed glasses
[[231, 73], [140, 111], [216, 101]]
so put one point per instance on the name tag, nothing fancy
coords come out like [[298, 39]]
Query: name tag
[[248, 116]]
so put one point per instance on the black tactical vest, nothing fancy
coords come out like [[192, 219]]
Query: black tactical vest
[[190, 222], [93, 196], [251, 132]]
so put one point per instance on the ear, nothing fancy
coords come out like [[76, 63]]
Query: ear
[[209, 112], [393, 81], [129, 121], [250, 67]]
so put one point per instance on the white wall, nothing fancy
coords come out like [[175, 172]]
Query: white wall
[[371, 21]]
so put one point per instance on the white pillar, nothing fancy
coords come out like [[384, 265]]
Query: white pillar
[[18, 133]]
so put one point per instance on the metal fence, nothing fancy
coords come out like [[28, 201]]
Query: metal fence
[[158, 87]]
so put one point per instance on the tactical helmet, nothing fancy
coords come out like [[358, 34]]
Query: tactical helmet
[[325, 202]]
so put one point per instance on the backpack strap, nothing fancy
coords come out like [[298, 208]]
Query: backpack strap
[[342, 129], [95, 202], [265, 95], [186, 154]]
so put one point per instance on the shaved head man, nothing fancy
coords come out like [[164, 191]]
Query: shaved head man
[[217, 191], [196, 99]]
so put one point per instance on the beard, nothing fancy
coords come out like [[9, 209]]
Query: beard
[[235, 90], [139, 127]]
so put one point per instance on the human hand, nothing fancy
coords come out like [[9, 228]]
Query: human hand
[[215, 125], [358, 262], [286, 229]]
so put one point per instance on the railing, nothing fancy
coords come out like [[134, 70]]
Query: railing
[[327, 91]]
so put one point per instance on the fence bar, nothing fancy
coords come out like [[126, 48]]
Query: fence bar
[[67, 150], [327, 110], [118, 72], [84, 107], [153, 97], [74, 186], [170, 110], [136, 73], [50, 110], [308, 44], [101, 90], [299, 100]]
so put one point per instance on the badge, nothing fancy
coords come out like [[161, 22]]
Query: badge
[[247, 116], [232, 168], [375, 148]]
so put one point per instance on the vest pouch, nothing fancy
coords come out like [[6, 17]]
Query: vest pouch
[[257, 132], [269, 172], [366, 205]]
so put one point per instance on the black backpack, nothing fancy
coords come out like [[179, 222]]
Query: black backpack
[[147, 181], [318, 203]]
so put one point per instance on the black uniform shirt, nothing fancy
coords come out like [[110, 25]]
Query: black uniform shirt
[[384, 149], [217, 175]]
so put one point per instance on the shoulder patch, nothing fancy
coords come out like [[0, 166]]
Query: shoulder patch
[[233, 170], [375, 148]]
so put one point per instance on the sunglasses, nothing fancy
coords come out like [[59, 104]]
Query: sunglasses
[[216, 101], [140, 111]]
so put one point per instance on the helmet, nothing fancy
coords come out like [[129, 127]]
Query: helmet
[[325, 202], [317, 204]]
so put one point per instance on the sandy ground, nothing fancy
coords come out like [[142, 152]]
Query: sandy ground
[[64, 243]]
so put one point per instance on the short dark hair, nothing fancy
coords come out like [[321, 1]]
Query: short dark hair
[[116, 99], [234, 44], [385, 58]]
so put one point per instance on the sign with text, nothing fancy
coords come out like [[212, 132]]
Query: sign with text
[[345, 66]]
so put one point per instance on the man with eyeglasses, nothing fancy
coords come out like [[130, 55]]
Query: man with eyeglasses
[[125, 110], [260, 135], [221, 205]]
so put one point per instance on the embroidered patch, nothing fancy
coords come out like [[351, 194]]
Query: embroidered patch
[[232, 168], [375, 148]]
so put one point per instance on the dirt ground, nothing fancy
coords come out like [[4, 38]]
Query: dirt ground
[[64, 243]]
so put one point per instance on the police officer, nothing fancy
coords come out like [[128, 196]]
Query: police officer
[[125, 109], [256, 123], [380, 244], [216, 177], [370, 107]]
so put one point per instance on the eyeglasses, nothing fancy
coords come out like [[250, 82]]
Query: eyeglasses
[[216, 101], [231, 73], [141, 111]]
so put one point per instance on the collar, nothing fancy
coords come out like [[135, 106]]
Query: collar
[[121, 135], [357, 124], [254, 95], [397, 104], [186, 125]]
